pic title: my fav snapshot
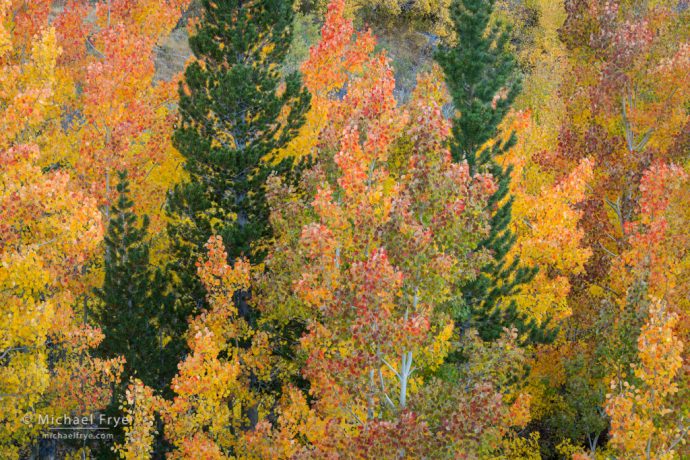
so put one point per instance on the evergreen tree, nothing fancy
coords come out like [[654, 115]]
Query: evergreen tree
[[135, 313], [483, 78], [235, 110]]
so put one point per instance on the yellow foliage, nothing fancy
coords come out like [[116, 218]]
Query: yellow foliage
[[518, 448], [642, 420], [138, 408], [545, 221]]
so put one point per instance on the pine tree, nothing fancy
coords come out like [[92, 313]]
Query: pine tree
[[483, 78], [135, 314], [235, 110]]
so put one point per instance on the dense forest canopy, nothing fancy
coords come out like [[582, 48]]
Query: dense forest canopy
[[344, 229]]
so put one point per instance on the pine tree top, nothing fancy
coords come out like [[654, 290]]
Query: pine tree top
[[481, 74]]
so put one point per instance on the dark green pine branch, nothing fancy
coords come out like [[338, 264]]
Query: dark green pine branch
[[236, 108], [135, 314], [483, 78]]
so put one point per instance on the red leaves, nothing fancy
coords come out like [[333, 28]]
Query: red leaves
[[380, 257], [657, 185], [408, 436], [339, 52], [375, 286], [482, 409], [651, 236]]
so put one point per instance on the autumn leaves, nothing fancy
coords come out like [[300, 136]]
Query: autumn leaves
[[335, 267]]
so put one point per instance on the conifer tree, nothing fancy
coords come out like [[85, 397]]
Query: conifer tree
[[135, 315], [235, 110], [483, 79]]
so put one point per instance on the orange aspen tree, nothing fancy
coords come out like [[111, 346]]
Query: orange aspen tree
[[375, 267], [545, 221], [46, 244], [340, 53], [109, 112], [644, 422], [139, 407], [78, 100], [624, 91], [621, 105], [207, 417], [646, 408]]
